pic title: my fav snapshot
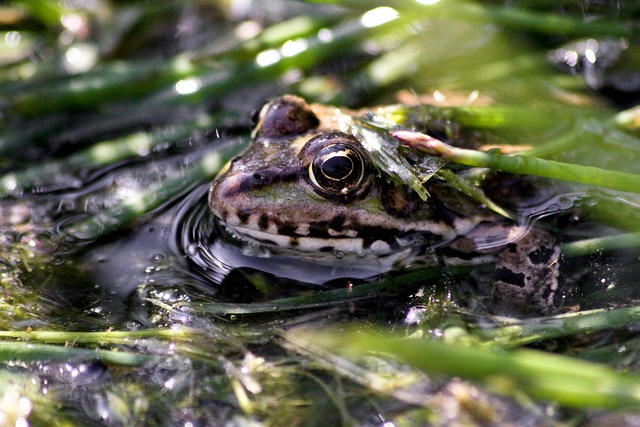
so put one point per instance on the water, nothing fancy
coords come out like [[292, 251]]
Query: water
[[188, 319], [167, 266], [214, 252], [182, 249]]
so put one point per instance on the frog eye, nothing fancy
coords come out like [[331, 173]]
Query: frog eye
[[336, 166], [287, 115]]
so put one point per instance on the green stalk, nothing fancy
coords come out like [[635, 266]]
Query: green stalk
[[590, 246], [13, 351], [546, 23], [493, 118], [272, 36], [517, 18], [215, 76], [523, 165], [47, 11], [104, 337], [317, 299], [119, 81], [115, 81], [38, 345], [564, 325], [99, 154], [345, 35], [566, 380], [137, 205]]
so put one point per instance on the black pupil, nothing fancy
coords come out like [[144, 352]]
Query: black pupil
[[337, 167]]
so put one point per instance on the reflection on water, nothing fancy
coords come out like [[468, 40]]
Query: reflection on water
[[106, 105], [214, 253], [194, 231], [180, 252]]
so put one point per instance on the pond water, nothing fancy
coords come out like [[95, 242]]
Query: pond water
[[106, 228]]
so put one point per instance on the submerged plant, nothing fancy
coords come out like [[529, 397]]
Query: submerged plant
[[115, 117]]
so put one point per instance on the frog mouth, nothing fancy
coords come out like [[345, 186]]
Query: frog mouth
[[351, 253], [336, 245], [323, 261]]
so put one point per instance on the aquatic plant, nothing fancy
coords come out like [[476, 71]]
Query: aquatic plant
[[114, 117]]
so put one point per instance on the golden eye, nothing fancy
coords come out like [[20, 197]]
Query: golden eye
[[336, 166]]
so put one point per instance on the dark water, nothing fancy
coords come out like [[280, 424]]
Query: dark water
[[183, 251], [166, 268]]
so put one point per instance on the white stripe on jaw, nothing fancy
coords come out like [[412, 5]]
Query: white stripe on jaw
[[302, 229], [344, 233], [312, 244]]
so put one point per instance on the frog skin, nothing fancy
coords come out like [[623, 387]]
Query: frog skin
[[305, 187]]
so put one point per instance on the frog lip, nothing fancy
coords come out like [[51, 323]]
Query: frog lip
[[355, 249], [338, 244]]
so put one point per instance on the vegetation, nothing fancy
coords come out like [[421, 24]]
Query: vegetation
[[116, 308]]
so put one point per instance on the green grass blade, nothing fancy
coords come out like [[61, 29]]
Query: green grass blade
[[588, 175], [565, 380], [317, 299], [137, 205], [590, 246], [28, 352], [508, 16], [100, 154], [564, 325]]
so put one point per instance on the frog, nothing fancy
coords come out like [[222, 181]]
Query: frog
[[308, 188]]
